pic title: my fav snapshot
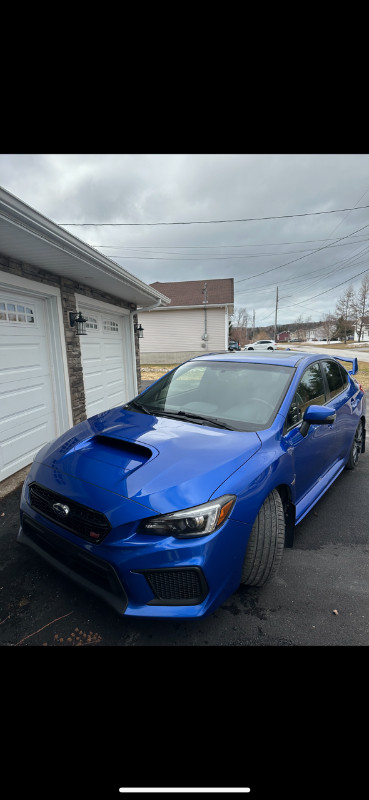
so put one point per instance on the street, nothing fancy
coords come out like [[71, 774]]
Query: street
[[361, 353]]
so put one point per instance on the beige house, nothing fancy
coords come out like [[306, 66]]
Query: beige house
[[195, 322]]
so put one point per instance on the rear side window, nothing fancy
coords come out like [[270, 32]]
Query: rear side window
[[336, 378]]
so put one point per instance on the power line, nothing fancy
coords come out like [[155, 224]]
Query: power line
[[333, 268], [365, 271], [287, 263], [213, 246], [218, 247], [208, 257], [353, 259], [210, 221]]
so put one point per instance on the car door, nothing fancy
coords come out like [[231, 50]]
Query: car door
[[341, 396], [314, 453]]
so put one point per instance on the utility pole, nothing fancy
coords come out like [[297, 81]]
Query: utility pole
[[275, 318], [205, 302], [253, 325]]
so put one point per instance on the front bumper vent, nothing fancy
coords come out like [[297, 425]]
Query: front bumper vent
[[91, 572], [85, 522], [177, 586]]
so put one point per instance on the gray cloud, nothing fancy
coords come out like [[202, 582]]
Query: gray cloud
[[150, 188]]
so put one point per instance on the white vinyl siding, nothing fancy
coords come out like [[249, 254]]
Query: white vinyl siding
[[182, 329]]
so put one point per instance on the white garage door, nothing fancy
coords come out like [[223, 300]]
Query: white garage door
[[104, 370], [27, 413]]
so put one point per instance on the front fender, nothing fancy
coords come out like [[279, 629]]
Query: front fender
[[272, 466]]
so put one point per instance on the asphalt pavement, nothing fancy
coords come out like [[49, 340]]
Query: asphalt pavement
[[360, 352], [319, 597]]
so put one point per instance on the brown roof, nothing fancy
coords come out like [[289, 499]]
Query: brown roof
[[189, 293]]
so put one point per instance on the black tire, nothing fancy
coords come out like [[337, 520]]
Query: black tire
[[266, 543], [250, 348], [269, 348], [356, 447]]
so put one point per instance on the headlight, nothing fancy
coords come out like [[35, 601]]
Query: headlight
[[196, 521]]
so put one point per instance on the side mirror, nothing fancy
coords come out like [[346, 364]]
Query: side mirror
[[317, 415]]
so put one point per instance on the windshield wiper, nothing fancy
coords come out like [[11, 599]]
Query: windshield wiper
[[193, 417], [156, 412]]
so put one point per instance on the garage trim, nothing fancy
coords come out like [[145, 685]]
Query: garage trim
[[54, 319]]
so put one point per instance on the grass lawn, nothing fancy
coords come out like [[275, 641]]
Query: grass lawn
[[363, 375], [154, 371]]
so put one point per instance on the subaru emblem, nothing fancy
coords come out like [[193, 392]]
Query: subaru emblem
[[61, 509]]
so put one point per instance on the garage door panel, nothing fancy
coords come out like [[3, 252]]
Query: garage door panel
[[115, 399], [115, 386], [21, 401], [19, 445], [27, 412], [114, 374], [92, 351], [23, 357], [95, 380], [95, 393], [112, 347], [96, 403], [103, 363]]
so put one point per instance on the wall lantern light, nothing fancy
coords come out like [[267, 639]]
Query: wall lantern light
[[139, 330], [79, 321]]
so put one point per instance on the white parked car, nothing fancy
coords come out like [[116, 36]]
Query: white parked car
[[262, 344]]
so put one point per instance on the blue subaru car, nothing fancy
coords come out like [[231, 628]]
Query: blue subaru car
[[164, 506]]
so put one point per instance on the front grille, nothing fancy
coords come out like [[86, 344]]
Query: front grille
[[97, 572], [177, 586], [85, 522]]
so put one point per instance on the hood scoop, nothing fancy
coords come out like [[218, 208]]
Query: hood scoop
[[127, 456]]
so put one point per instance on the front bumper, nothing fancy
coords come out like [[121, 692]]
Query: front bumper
[[143, 575]]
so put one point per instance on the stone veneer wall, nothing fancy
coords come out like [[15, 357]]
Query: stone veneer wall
[[67, 290]]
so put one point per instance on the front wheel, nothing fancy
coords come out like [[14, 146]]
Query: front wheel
[[356, 447], [266, 543]]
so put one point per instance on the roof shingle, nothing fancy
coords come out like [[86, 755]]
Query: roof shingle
[[220, 291]]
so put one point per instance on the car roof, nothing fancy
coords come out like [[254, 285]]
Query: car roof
[[288, 358]]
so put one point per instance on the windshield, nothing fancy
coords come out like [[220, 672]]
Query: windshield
[[244, 397]]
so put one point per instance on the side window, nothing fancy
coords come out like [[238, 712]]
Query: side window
[[344, 376], [335, 378], [310, 390]]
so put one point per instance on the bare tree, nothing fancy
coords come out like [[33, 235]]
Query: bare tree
[[329, 325], [240, 317], [361, 305], [345, 309], [300, 328], [239, 322]]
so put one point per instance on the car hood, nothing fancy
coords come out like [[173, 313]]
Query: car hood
[[163, 464]]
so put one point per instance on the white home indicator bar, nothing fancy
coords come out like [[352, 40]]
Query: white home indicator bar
[[180, 789]]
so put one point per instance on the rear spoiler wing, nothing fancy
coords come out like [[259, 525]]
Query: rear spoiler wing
[[352, 361]]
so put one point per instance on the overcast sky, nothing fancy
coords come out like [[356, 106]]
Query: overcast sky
[[312, 257]]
